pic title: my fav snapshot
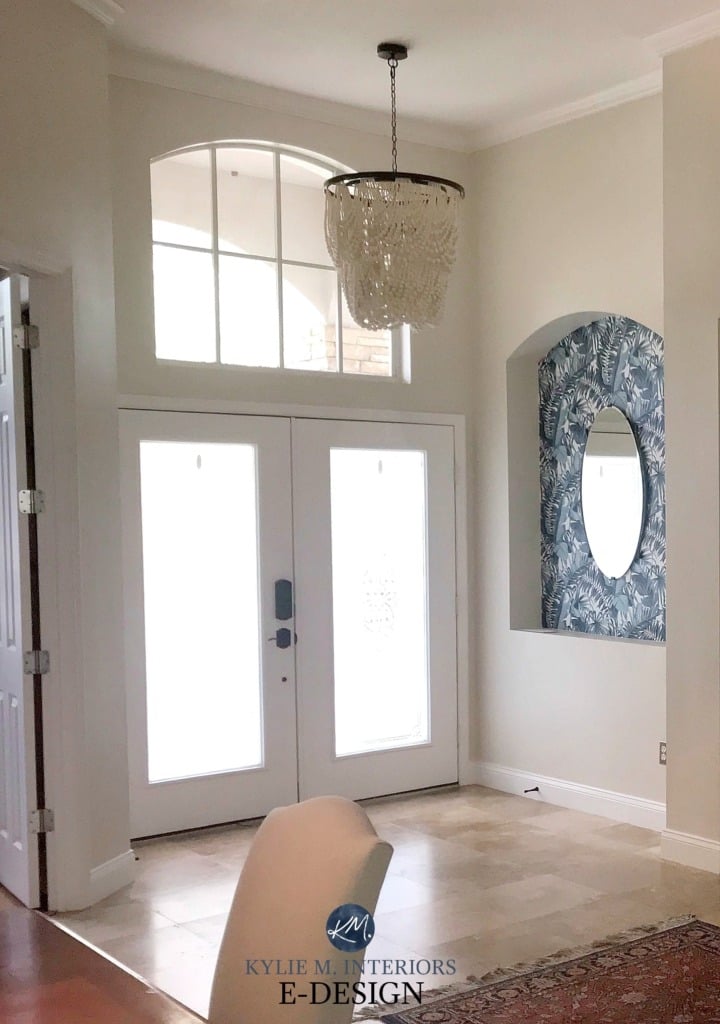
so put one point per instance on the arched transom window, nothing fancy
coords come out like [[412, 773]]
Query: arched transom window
[[242, 275]]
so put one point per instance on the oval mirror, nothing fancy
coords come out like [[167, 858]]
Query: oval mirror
[[612, 493]]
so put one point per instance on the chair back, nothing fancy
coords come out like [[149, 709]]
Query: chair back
[[306, 860]]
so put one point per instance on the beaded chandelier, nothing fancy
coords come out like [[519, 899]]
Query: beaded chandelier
[[392, 236]]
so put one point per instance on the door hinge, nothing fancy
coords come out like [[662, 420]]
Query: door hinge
[[26, 336], [36, 663], [42, 820], [31, 502]]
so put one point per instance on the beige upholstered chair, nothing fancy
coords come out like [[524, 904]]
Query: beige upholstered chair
[[306, 860]]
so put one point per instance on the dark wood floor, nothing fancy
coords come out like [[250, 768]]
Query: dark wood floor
[[48, 977]]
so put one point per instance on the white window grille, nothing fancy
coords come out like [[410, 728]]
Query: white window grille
[[242, 275]]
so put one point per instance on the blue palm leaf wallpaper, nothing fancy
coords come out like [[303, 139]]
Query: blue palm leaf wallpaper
[[617, 362]]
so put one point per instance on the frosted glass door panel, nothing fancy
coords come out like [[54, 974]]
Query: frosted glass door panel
[[379, 586], [201, 588]]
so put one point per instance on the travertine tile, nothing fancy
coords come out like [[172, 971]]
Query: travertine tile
[[400, 892], [571, 823], [189, 983], [536, 897], [151, 952], [622, 872], [630, 835], [477, 876], [429, 924], [103, 923], [210, 929], [195, 901]]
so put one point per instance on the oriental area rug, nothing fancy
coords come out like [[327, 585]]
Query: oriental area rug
[[664, 974]]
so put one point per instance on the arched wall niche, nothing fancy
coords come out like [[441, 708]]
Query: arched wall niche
[[526, 595]]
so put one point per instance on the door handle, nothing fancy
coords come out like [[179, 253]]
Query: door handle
[[282, 638], [283, 600]]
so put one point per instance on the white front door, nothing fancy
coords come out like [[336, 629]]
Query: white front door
[[211, 694], [374, 514], [290, 595], [18, 849]]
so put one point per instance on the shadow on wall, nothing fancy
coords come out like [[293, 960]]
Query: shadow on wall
[[613, 361]]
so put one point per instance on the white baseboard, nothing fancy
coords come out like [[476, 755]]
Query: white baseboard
[[633, 810], [107, 878], [692, 851]]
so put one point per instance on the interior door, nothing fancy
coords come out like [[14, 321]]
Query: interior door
[[18, 848], [374, 520], [210, 658]]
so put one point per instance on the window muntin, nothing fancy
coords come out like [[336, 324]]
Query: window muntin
[[241, 272]]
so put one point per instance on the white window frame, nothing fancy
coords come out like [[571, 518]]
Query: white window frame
[[399, 336]]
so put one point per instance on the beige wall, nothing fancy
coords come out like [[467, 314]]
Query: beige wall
[[55, 199], [692, 307], [567, 221]]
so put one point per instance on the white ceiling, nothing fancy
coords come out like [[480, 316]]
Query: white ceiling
[[491, 69]]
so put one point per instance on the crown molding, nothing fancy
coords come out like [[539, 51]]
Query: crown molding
[[135, 64], [626, 92], [147, 67], [687, 33], [106, 11]]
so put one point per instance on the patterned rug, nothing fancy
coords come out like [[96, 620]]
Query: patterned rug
[[666, 974]]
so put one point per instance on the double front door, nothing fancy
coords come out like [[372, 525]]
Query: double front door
[[290, 603]]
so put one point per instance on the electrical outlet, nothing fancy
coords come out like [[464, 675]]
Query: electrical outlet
[[663, 752]]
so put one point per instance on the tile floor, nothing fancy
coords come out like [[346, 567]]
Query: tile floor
[[479, 876]]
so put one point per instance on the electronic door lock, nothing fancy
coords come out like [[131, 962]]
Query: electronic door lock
[[283, 600], [283, 638]]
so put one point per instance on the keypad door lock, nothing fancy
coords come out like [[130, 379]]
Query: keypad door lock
[[283, 600]]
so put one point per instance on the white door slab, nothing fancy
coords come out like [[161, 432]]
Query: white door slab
[[18, 848], [211, 697]]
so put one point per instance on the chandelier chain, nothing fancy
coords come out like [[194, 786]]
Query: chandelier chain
[[393, 63]]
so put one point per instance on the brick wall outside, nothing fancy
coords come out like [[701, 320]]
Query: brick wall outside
[[363, 352]]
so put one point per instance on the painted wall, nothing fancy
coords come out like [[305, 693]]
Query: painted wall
[[563, 226], [55, 198], [148, 120], [692, 294], [565, 231]]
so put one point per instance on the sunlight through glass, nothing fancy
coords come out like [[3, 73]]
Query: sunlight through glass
[[202, 614], [379, 576]]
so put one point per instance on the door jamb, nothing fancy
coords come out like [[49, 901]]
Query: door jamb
[[51, 305]]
